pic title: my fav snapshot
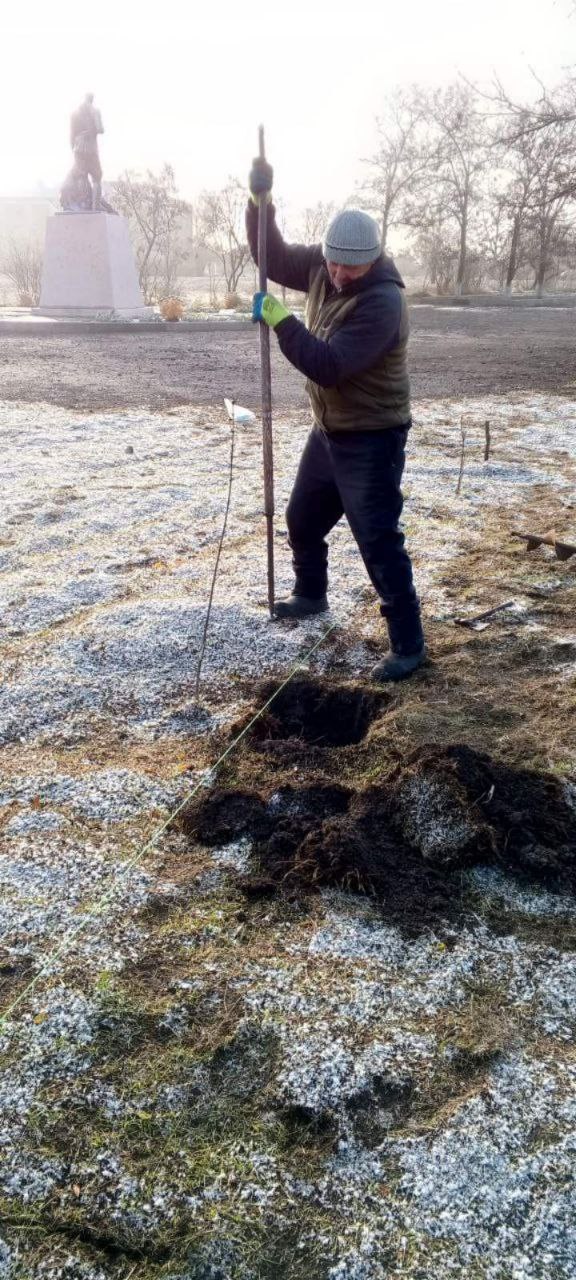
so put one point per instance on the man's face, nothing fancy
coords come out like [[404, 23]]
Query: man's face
[[341, 274]]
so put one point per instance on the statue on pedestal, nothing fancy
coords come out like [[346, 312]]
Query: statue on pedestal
[[89, 270], [82, 188]]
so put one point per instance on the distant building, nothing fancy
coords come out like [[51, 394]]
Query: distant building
[[24, 217]]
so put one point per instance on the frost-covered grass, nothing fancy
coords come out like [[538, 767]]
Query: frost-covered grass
[[201, 1086]]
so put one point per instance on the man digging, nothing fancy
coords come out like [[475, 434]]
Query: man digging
[[352, 351]]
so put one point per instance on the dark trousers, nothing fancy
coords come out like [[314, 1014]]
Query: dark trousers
[[356, 474]]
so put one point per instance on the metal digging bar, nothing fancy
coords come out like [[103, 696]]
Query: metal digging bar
[[563, 550], [267, 446]]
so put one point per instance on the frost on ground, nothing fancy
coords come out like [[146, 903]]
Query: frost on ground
[[142, 528], [56, 889], [108, 795], [199, 1086], [507, 1162]]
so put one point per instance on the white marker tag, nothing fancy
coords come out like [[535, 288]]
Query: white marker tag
[[237, 413]]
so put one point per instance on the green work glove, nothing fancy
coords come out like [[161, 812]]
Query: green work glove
[[268, 309]]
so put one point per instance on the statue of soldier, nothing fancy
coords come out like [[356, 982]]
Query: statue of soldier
[[76, 194], [85, 125]]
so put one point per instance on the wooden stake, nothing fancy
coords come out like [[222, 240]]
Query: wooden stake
[[462, 454], [487, 441], [480, 617], [267, 445]]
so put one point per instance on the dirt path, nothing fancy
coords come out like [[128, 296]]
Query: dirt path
[[453, 352]]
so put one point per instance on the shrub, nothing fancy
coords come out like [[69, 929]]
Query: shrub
[[171, 309], [21, 262]]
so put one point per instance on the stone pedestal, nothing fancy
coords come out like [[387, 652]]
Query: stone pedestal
[[89, 269]]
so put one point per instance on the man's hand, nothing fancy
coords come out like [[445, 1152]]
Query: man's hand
[[260, 179], [267, 309]]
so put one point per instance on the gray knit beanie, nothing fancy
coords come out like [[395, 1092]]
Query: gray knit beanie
[[352, 238]]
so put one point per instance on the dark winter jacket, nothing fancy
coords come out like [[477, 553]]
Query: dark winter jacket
[[353, 346]]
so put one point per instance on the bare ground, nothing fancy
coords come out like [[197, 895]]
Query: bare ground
[[453, 352]]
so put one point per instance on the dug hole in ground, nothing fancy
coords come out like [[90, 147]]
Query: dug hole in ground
[[321, 1025]]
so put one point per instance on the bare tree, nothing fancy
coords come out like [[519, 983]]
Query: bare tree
[[459, 143], [551, 107], [541, 194], [315, 220], [221, 227], [539, 143], [21, 262], [151, 204], [430, 174], [549, 242], [404, 157], [553, 191], [516, 202], [461, 156], [437, 250], [497, 235]]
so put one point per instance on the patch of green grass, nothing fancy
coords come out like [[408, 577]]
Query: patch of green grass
[[540, 930], [220, 1127], [420, 1256]]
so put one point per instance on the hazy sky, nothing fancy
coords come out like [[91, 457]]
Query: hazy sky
[[189, 83]]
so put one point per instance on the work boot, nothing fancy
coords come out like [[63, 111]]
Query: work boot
[[397, 666], [407, 650], [300, 606]]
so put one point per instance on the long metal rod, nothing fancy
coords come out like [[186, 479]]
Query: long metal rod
[[267, 445]]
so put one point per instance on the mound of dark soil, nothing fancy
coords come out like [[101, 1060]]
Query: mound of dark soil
[[403, 840], [343, 851], [227, 814], [324, 834], [459, 804]]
